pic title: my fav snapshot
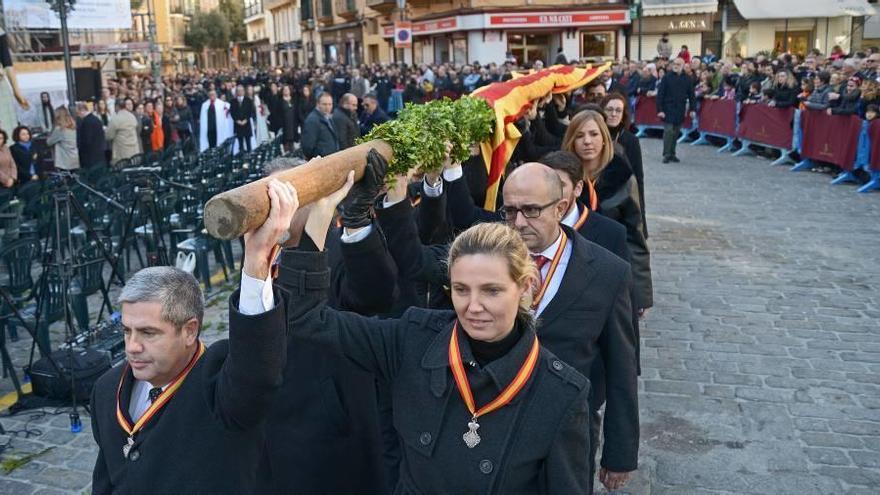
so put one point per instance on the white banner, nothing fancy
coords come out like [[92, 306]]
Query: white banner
[[86, 14], [32, 84]]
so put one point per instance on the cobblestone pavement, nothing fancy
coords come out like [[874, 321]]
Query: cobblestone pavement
[[761, 359]]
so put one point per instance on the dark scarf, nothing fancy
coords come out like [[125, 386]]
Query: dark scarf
[[486, 352]]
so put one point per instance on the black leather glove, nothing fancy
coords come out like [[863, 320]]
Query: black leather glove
[[356, 206]]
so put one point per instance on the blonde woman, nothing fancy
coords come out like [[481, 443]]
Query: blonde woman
[[63, 140], [479, 405], [617, 192]]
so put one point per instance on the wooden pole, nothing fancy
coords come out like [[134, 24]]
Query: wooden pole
[[230, 214]]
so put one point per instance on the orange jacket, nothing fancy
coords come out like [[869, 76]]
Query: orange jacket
[[157, 138]]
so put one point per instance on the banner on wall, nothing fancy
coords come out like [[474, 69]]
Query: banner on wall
[[32, 84], [766, 125], [831, 138], [86, 14]]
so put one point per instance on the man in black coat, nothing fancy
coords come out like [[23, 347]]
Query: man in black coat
[[345, 121], [319, 137], [585, 316], [242, 111], [675, 96], [201, 408], [373, 114], [90, 138]]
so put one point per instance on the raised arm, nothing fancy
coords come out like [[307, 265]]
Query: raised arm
[[242, 380], [303, 275]]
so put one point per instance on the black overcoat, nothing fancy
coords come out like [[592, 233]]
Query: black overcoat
[[90, 141], [675, 94], [536, 444], [242, 111], [207, 439], [319, 137]]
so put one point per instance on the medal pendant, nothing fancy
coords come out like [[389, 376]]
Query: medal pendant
[[471, 437], [127, 447]]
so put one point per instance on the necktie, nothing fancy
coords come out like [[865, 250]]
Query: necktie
[[154, 394], [540, 260]]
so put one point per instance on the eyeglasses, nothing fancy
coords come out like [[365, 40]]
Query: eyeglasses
[[613, 110], [529, 211]]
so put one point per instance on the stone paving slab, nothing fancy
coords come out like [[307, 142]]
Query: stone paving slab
[[761, 360]]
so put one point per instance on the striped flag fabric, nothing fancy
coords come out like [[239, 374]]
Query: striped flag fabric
[[511, 100]]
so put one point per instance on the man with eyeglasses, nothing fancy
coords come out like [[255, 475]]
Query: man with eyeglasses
[[871, 66], [584, 312]]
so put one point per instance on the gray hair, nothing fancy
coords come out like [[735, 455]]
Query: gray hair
[[176, 290], [282, 163]]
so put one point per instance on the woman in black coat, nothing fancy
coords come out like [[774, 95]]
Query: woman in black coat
[[848, 101], [785, 90], [617, 118], [616, 186], [24, 154], [289, 120], [444, 368], [304, 103]]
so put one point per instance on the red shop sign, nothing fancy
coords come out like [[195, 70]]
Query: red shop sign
[[560, 19]]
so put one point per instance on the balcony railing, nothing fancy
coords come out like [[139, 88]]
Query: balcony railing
[[346, 9], [383, 6], [252, 8]]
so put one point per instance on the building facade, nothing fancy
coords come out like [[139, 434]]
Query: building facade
[[796, 26], [491, 30], [171, 19], [274, 34]]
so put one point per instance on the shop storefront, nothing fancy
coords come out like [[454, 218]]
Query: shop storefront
[[529, 36], [795, 26], [343, 43], [289, 54], [688, 23]]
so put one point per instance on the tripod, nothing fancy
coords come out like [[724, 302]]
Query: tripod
[[59, 269], [23, 398]]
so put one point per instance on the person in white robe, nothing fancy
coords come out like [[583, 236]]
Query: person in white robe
[[223, 128]]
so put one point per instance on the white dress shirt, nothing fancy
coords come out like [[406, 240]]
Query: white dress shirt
[[554, 283], [255, 296], [140, 399], [449, 175], [573, 216]]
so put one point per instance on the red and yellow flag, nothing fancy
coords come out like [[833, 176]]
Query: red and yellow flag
[[511, 99]]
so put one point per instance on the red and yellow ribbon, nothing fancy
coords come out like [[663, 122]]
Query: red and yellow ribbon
[[464, 387], [591, 190], [553, 265], [160, 401], [581, 219]]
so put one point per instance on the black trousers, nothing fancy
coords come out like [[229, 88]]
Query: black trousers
[[244, 142]]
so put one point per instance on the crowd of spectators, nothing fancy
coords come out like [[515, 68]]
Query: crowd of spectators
[[139, 115]]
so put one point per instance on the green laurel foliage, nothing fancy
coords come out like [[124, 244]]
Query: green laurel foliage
[[420, 133]]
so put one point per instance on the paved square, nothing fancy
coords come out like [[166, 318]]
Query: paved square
[[761, 360]]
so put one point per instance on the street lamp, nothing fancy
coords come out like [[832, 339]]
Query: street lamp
[[63, 7]]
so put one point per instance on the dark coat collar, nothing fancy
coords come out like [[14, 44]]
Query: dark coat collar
[[578, 276], [502, 370]]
